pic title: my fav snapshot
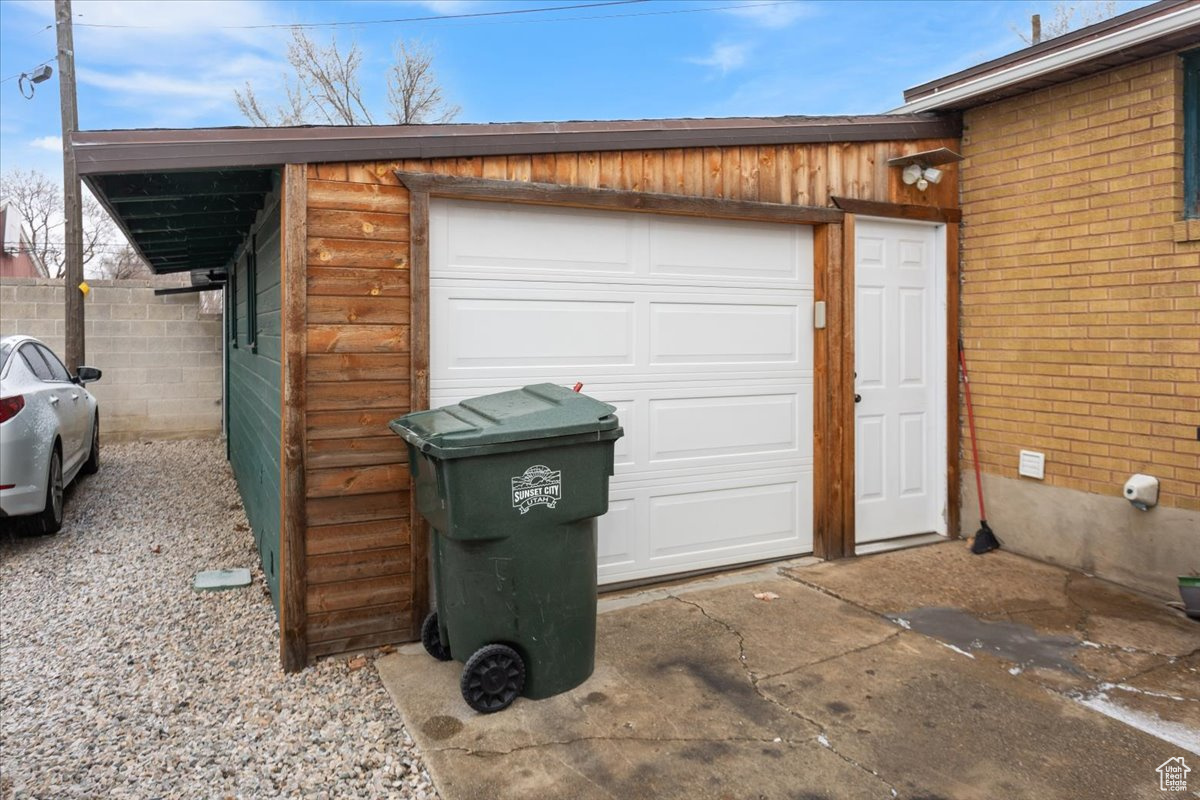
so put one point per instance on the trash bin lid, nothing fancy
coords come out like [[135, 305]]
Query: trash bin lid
[[541, 411]]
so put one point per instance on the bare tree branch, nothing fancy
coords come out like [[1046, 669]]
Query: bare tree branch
[[1065, 20], [413, 90], [38, 199], [123, 264], [324, 86]]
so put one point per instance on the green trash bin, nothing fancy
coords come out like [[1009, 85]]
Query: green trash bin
[[511, 485]]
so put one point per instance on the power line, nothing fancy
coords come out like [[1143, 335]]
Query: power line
[[427, 18]]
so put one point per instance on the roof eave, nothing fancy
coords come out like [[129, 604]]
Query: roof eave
[[108, 152], [980, 84]]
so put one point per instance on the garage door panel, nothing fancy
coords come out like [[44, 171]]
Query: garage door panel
[[742, 251], [740, 425], [496, 238], [704, 523], [490, 333], [725, 333], [616, 542]]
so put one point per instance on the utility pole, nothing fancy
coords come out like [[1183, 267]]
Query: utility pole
[[72, 200]]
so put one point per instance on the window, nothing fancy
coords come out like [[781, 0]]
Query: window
[[231, 310], [1191, 134], [56, 367], [35, 362], [252, 294]]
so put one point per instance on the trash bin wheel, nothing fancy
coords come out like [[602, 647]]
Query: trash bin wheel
[[492, 678], [432, 639]]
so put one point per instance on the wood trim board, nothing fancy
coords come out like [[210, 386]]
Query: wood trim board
[[553, 194], [418, 204], [293, 640]]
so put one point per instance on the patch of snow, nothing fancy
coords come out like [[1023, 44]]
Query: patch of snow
[[1017, 670], [1125, 687], [956, 649], [903, 623], [1171, 732], [824, 741]]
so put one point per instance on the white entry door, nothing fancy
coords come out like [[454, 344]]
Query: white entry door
[[899, 353], [699, 331]]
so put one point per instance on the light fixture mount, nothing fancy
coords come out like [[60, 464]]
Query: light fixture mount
[[921, 169]]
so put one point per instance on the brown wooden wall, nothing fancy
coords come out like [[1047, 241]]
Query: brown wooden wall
[[358, 559]]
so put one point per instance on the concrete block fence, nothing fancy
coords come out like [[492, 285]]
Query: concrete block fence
[[161, 355]]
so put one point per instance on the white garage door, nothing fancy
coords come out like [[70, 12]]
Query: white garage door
[[699, 332]]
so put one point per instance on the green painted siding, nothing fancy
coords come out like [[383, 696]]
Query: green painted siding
[[254, 390]]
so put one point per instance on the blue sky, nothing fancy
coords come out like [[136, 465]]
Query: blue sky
[[175, 63]]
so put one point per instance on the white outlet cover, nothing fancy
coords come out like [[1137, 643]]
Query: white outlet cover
[[1032, 465]]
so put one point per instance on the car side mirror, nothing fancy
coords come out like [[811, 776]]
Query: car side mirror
[[87, 375]]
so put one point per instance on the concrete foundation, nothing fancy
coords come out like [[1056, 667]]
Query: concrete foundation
[[1098, 534]]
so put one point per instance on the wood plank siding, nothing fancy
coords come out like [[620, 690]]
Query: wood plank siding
[[360, 367], [254, 353]]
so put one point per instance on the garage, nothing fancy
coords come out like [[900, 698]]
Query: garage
[[699, 331], [712, 279]]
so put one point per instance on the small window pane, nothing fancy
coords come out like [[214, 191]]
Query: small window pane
[[36, 363], [56, 367]]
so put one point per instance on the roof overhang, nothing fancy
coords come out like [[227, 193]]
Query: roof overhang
[[187, 198], [1153, 30], [184, 221], [103, 152]]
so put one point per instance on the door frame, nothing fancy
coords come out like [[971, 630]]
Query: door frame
[[829, 458], [948, 221]]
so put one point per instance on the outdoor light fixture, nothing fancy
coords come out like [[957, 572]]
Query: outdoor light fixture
[[921, 176], [40, 74], [922, 169]]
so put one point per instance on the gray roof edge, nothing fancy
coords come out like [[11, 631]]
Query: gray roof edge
[[106, 152], [1095, 31]]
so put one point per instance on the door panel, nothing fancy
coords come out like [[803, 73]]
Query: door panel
[[699, 331], [899, 341]]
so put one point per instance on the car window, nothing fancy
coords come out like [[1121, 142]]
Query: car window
[[35, 362], [56, 367]]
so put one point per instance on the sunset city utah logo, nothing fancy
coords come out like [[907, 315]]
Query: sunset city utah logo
[[539, 486]]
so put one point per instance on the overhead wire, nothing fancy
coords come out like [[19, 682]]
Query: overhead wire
[[441, 17], [426, 18]]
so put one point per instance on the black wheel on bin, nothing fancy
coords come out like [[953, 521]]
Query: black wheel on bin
[[492, 678], [432, 639]]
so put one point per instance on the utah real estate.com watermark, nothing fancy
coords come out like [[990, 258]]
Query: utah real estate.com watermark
[[1172, 775]]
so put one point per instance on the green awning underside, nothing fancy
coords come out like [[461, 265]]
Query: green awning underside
[[184, 221]]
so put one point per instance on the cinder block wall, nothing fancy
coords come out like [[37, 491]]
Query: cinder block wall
[[1081, 317], [161, 356]]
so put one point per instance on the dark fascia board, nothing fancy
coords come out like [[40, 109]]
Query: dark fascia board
[[108, 152], [1071, 39]]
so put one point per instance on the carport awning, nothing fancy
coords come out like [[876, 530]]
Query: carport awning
[[184, 221]]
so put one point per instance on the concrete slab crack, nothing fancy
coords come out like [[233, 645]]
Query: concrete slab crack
[[822, 737], [834, 657]]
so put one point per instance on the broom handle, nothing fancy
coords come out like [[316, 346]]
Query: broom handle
[[962, 362]]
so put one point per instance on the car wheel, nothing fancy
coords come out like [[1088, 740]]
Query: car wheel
[[92, 465], [51, 519]]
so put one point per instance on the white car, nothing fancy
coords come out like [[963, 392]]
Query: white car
[[49, 430]]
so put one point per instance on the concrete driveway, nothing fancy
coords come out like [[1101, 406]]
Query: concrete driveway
[[924, 673]]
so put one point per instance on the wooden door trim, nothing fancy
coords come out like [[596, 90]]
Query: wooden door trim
[[553, 194], [950, 218], [833, 396]]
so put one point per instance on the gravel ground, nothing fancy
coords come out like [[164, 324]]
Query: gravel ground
[[117, 680]]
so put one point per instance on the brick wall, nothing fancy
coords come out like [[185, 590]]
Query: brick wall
[[161, 356], [1081, 310]]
